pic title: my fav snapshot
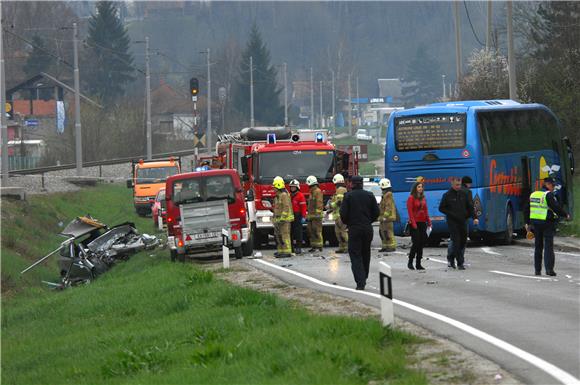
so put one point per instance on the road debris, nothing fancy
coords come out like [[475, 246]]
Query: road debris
[[92, 248]]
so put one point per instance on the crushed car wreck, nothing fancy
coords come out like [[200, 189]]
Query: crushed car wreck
[[92, 248]]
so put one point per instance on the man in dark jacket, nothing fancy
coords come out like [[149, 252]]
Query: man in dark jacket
[[358, 211], [466, 182], [544, 212], [458, 208]]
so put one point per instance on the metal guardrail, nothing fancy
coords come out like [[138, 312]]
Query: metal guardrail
[[42, 170]]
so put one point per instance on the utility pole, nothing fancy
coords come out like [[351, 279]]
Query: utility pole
[[148, 96], [285, 94], [321, 118], [488, 35], [457, 42], [78, 131], [333, 109], [358, 119], [349, 109], [511, 56], [311, 121], [3, 106], [251, 92], [444, 96], [209, 131]]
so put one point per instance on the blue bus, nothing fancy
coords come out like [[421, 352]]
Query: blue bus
[[507, 148]]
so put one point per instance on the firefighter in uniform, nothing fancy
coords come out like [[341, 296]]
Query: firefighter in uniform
[[314, 216], [340, 228], [544, 213], [387, 215], [283, 217]]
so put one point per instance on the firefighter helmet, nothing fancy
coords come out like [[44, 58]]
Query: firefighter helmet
[[294, 183], [278, 183], [385, 183], [311, 180], [338, 178]]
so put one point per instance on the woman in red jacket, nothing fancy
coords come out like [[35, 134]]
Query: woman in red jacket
[[418, 222], [299, 208]]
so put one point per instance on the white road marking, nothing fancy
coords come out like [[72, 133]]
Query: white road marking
[[488, 251], [552, 370], [437, 260], [531, 250], [520, 275], [400, 252]]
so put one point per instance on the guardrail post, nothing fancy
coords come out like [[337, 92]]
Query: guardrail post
[[386, 287], [100, 171], [42, 182], [225, 248]]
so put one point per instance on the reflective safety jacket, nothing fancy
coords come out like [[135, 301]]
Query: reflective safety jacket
[[539, 205], [336, 201], [388, 213], [283, 207], [315, 203]]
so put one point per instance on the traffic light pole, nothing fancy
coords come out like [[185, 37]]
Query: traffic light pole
[[209, 132], [3, 104], [148, 93]]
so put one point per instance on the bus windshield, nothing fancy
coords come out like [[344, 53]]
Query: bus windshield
[[296, 165], [155, 174], [430, 132]]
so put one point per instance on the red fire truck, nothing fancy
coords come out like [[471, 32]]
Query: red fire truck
[[261, 153]]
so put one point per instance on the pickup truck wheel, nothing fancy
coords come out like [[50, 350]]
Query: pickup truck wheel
[[238, 252]]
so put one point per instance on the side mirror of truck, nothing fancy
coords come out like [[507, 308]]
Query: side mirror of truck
[[129, 183], [250, 196]]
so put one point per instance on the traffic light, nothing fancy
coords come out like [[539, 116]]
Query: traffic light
[[9, 108], [193, 86]]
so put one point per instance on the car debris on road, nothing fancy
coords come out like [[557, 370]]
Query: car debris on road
[[92, 248]]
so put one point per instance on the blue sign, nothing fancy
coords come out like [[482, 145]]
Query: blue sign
[[31, 123]]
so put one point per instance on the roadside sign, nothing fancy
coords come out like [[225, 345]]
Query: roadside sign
[[198, 140], [31, 122]]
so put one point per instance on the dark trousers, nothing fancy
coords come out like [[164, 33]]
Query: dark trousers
[[458, 233], [359, 250], [544, 241], [418, 240], [297, 231], [450, 245]]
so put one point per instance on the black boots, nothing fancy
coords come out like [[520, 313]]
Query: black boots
[[418, 265], [410, 264]]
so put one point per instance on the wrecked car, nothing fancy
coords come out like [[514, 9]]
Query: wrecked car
[[92, 248]]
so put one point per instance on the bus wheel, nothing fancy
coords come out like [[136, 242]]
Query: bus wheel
[[433, 241], [508, 235]]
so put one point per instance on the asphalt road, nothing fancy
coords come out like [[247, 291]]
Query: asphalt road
[[497, 294]]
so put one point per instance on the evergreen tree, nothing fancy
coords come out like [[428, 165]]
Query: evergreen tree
[[267, 107], [109, 59], [38, 60], [422, 81]]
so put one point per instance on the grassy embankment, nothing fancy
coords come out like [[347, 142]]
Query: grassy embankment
[[573, 227], [150, 321], [375, 151]]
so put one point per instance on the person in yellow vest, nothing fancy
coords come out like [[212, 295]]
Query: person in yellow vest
[[340, 228], [544, 213], [314, 216], [387, 215], [283, 217]]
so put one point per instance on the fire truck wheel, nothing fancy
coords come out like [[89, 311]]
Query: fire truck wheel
[[248, 247], [173, 255], [238, 252]]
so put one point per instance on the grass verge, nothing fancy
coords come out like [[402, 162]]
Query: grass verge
[[150, 321]]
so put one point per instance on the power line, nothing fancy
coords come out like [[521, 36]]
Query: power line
[[471, 25], [38, 47]]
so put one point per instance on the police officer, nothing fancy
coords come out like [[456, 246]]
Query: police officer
[[387, 215], [544, 213], [358, 211], [340, 228], [314, 216], [283, 217]]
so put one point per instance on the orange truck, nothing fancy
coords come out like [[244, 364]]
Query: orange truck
[[147, 178]]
